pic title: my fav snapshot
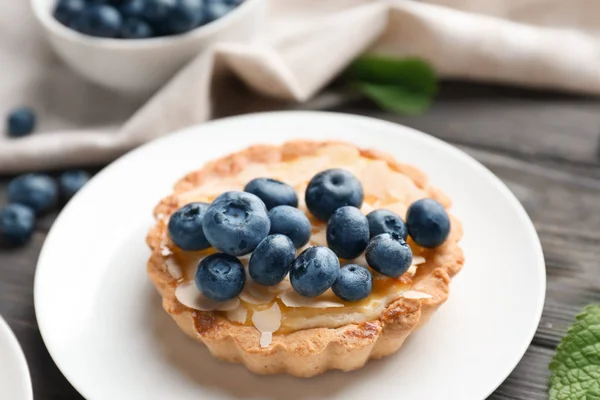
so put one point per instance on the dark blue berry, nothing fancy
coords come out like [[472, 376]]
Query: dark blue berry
[[385, 221], [389, 254], [156, 11], [185, 16], [428, 223], [273, 192], [17, 223], [271, 260], [220, 277], [291, 222], [66, 10], [354, 283], [37, 191], [20, 122], [134, 28], [314, 271], [99, 20], [132, 8], [236, 222], [331, 189], [217, 9], [348, 232], [70, 182], [185, 227]]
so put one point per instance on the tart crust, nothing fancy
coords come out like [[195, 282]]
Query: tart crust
[[307, 352]]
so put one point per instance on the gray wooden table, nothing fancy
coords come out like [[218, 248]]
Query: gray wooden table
[[544, 146]]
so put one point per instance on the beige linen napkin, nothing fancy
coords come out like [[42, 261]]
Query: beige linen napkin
[[540, 43]]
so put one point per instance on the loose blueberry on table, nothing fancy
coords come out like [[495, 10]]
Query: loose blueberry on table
[[139, 19], [37, 191], [20, 122], [16, 224], [70, 182]]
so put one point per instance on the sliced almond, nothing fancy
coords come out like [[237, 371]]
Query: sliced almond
[[292, 299], [238, 314], [268, 320], [373, 178], [187, 294], [413, 294], [418, 260], [174, 269], [265, 339]]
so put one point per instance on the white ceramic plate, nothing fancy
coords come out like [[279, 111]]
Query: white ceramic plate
[[15, 383], [102, 320]]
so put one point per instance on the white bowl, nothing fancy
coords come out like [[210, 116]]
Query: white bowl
[[143, 65]]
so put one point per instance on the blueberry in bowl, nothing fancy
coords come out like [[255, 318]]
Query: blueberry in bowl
[[220, 277], [185, 227], [291, 222], [348, 232], [36, 191], [428, 223], [271, 260], [236, 222], [331, 189], [136, 46], [314, 271], [389, 255]]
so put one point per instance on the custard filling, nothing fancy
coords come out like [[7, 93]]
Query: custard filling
[[278, 308]]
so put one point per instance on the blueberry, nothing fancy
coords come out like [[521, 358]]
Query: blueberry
[[185, 16], [385, 221], [291, 222], [156, 11], [348, 232], [273, 192], [185, 227], [220, 277], [99, 20], [314, 271], [20, 122], [236, 222], [216, 10], [354, 283], [134, 28], [66, 10], [331, 189], [132, 8], [389, 254], [428, 223], [36, 191], [271, 260], [16, 224], [71, 181]]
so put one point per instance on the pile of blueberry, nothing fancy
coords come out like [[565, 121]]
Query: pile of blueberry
[[263, 220], [32, 195], [139, 19]]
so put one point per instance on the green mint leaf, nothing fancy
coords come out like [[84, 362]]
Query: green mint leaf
[[576, 364], [400, 85], [395, 98]]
